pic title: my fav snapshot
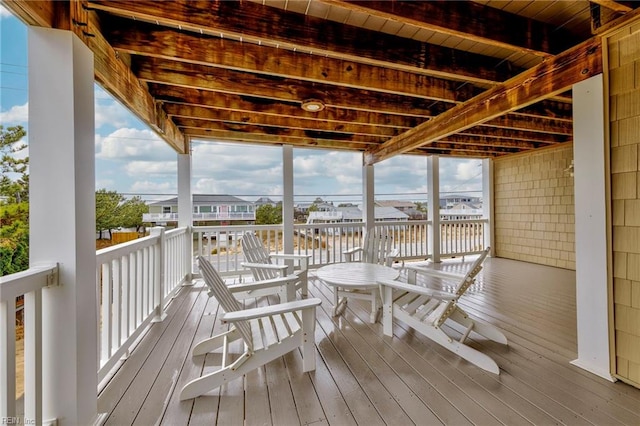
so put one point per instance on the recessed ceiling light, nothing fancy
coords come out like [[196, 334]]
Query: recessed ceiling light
[[312, 105]]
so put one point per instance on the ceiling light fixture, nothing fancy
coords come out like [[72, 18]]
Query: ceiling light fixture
[[312, 105]]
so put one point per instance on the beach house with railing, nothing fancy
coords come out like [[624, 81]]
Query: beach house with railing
[[529, 87]]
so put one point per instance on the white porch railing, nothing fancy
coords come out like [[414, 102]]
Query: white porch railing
[[29, 284], [173, 217], [326, 242], [462, 237], [135, 280]]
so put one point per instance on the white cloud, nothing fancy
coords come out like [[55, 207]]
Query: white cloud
[[147, 186], [18, 114], [111, 113], [133, 144], [4, 13], [104, 183], [468, 170], [151, 168]]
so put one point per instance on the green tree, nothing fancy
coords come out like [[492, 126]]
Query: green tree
[[14, 206], [267, 214], [131, 212], [107, 210], [421, 207], [14, 238], [14, 190]]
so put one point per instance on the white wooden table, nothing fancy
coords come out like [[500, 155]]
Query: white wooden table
[[356, 280]]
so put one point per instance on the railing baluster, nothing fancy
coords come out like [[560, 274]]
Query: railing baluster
[[32, 323], [105, 284], [117, 313], [8, 358]]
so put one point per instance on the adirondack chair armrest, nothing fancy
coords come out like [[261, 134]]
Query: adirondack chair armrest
[[257, 285], [395, 252], [435, 272], [412, 288], [281, 268], [302, 259], [348, 254], [281, 308]]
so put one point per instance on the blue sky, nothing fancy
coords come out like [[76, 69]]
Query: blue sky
[[131, 159]]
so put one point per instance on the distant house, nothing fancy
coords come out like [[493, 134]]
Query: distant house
[[408, 207], [401, 205], [448, 201], [264, 200], [354, 214], [319, 203], [206, 208]]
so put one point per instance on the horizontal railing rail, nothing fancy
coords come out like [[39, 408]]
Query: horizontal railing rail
[[173, 217], [28, 284]]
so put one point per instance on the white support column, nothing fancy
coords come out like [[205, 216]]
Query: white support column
[[591, 201], [287, 198], [185, 206], [368, 192], [487, 202], [433, 210], [62, 219], [185, 199]]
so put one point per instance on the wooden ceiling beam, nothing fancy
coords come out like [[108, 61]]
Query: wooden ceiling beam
[[547, 108], [540, 82], [471, 21], [235, 82], [212, 114], [259, 24], [494, 142], [275, 131], [302, 142], [541, 125], [457, 152], [516, 135], [248, 104], [615, 6], [139, 38], [479, 150]]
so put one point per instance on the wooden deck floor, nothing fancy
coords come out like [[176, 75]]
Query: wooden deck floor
[[365, 378]]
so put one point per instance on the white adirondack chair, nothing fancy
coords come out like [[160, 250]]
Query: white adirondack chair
[[267, 332], [377, 248], [265, 266], [426, 310]]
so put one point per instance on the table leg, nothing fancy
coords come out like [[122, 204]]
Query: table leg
[[375, 306], [340, 307], [339, 304]]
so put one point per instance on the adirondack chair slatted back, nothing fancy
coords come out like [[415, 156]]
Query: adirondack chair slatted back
[[255, 252], [377, 246], [470, 277], [471, 274], [219, 290]]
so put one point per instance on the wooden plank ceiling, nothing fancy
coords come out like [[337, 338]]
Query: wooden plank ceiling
[[464, 78]]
